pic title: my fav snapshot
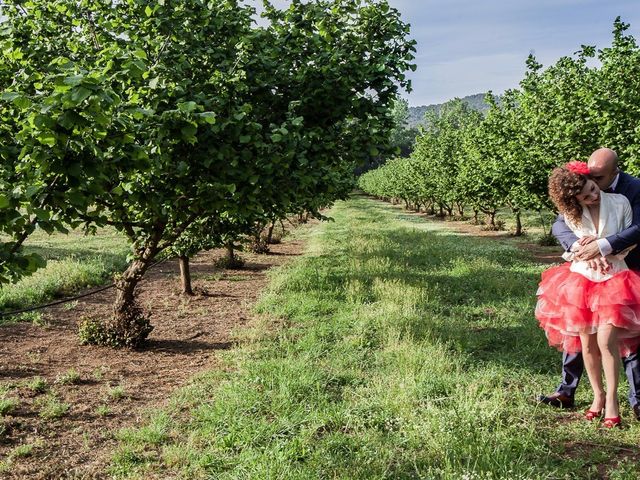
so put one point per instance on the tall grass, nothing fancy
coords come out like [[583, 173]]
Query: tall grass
[[74, 261], [393, 350]]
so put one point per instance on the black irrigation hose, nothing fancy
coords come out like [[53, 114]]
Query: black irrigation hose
[[69, 299]]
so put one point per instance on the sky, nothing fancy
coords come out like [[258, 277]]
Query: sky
[[467, 47]]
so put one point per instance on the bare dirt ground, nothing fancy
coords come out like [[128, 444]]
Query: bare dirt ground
[[114, 388]]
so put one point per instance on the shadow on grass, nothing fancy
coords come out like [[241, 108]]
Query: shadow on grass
[[480, 294], [62, 253]]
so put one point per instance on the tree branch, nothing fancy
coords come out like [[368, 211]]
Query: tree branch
[[164, 45], [178, 231], [92, 27]]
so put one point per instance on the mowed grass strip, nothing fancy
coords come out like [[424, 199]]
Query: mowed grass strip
[[392, 349], [74, 261]]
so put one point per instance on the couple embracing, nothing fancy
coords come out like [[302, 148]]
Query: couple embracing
[[590, 307]]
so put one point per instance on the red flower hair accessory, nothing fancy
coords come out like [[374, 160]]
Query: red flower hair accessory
[[580, 168]]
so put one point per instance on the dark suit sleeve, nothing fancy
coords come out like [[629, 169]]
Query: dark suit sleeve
[[563, 233], [629, 236]]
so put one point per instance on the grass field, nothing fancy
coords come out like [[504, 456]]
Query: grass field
[[74, 261], [393, 349]]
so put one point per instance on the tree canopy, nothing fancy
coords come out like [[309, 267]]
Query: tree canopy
[[153, 116]]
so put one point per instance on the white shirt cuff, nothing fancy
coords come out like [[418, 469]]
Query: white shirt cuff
[[604, 246]]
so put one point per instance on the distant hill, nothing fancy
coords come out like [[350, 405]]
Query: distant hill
[[416, 114]]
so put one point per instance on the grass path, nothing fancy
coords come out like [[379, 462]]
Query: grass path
[[74, 261], [394, 349]]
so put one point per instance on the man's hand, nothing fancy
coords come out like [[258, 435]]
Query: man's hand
[[588, 252], [586, 240], [600, 264]]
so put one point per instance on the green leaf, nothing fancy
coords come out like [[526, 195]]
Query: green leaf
[[47, 138], [17, 99], [4, 201], [148, 11], [182, 167], [73, 80], [11, 96], [80, 94], [188, 132], [41, 214], [209, 117], [276, 137], [245, 138], [69, 119], [22, 102], [187, 107], [140, 53], [75, 198], [35, 261], [153, 83]]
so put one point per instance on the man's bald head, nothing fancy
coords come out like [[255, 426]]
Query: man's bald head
[[603, 167]]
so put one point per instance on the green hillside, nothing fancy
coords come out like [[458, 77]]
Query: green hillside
[[416, 114]]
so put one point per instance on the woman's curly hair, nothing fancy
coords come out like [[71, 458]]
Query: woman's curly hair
[[564, 186]]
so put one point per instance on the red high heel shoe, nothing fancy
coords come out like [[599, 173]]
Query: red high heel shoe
[[612, 422], [591, 415]]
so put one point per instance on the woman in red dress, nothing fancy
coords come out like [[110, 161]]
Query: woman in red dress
[[594, 306]]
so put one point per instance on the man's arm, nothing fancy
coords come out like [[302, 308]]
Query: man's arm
[[563, 233]]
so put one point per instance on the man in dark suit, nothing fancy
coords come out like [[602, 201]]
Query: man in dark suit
[[603, 168]]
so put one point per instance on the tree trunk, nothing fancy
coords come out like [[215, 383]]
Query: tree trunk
[[475, 216], [492, 219], [544, 224], [518, 232], [185, 275], [129, 325], [270, 232], [127, 283], [231, 258]]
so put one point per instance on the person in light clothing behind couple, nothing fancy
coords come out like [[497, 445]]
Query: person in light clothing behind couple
[[592, 306]]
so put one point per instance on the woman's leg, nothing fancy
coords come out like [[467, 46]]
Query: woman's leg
[[608, 344], [593, 366]]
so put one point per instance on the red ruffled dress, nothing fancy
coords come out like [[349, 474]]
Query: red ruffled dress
[[574, 299]]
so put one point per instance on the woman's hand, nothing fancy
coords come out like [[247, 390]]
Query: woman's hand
[[600, 264], [586, 240]]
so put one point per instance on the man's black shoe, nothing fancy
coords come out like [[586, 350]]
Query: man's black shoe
[[636, 410], [557, 400]]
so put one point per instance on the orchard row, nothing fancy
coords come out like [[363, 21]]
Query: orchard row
[[184, 124], [463, 159]]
